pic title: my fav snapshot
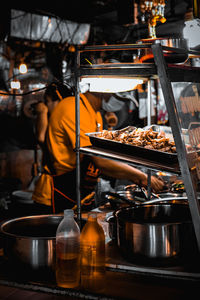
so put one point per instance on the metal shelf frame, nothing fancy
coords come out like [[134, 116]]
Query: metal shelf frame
[[167, 73], [129, 159]]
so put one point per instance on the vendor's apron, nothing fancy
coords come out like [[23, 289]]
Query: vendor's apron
[[64, 187]]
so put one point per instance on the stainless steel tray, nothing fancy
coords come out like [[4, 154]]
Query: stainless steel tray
[[132, 150]]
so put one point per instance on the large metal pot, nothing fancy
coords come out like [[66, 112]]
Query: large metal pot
[[146, 55], [29, 242], [156, 234]]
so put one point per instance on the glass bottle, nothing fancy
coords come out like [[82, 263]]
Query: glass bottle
[[92, 255], [196, 9], [68, 251]]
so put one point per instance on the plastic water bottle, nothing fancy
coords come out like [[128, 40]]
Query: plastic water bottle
[[92, 255], [68, 251]]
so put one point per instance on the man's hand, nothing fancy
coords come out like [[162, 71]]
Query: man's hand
[[157, 185], [124, 171]]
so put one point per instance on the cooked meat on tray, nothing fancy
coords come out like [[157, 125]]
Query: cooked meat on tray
[[148, 139]]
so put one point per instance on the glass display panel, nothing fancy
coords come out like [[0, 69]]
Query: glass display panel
[[187, 99]]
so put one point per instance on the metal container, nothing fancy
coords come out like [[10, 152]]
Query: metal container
[[29, 242], [132, 150], [156, 234], [146, 55]]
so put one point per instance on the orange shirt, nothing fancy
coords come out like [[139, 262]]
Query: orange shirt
[[61, 140], [61, 137]]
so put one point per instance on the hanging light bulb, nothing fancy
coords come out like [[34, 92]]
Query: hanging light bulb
[[23, 68]]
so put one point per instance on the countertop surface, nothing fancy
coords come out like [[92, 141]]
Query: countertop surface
[[123, 280], [118, 285]]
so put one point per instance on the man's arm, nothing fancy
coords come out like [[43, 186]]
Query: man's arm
[[120, 170], [41, 122]]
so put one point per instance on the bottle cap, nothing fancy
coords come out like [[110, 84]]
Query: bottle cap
[[68, 212], [92, 215]]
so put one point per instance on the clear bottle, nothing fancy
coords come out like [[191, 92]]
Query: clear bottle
[[68, 251], [92, 255]]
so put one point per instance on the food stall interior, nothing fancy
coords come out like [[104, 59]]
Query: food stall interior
[[146, 43]]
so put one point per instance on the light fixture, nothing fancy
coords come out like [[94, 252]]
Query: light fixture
[[108, 85], [15, 84], [191, 32], [23, 68]]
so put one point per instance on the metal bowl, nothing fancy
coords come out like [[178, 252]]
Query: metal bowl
[[29, 242]]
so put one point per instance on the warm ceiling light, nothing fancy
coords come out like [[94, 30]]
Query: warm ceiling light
[[15, 84], [23, 68], [109, 85]]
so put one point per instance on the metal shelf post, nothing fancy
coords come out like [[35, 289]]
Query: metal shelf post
[[77, 118], [176, 130]]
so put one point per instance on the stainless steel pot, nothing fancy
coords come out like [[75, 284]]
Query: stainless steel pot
[[156, 234], [146, 55], [29, 242]]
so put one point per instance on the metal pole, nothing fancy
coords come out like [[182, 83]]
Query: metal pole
[[149, 184], [77, 119], [149, 100], [176, 130]]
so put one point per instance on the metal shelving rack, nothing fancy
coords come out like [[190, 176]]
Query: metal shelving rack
[[167, 73]]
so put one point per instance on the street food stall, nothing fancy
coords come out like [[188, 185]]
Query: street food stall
[[163, 227], [152, 240]]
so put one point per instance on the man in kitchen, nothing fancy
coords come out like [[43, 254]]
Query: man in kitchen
[[61, 162]]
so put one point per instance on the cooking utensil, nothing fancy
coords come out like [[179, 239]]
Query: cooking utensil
[[29, 243], [119, 201], [156, 234], [146, 55], [116, 199], [21, 196]]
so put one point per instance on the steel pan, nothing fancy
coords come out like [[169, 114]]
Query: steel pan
[[156, 234]]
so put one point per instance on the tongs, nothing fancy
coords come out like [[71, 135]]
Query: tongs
[[113, 197]]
